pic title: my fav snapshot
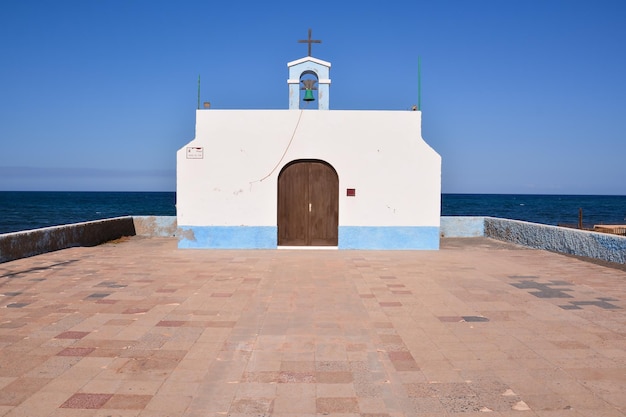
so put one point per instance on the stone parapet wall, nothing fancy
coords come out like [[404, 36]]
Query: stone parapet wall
[[34, 242], [37, 241], [595, 245], [603, 246]]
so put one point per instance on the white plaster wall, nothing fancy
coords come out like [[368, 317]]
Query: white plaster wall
[[381, 154]]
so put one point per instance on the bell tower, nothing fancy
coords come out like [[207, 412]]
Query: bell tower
[[309, 81]]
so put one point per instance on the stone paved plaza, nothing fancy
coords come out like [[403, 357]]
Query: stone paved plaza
[[138, 327]]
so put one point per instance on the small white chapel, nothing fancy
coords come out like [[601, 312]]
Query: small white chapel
[[308, 176]]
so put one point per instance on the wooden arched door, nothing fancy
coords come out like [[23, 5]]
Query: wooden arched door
[[308, 204]]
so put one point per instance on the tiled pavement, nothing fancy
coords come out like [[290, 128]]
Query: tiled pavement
[[479, 328]]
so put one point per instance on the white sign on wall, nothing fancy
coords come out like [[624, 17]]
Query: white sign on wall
[[195, 152]]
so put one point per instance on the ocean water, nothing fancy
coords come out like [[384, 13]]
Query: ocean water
[[545, 209], [24, 210], [31, 210]]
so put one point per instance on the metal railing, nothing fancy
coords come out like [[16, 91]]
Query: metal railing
[[619, 230]]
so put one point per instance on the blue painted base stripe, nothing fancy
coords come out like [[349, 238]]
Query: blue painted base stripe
[[227, 237], [350, 237], [389, 238]]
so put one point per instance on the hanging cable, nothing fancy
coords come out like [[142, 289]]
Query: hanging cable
[[293, 135]]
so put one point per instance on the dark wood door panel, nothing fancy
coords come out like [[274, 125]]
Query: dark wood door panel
[[292, 205], [323, 214]]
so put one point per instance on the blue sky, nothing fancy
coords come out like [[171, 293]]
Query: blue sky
[[517, 96]]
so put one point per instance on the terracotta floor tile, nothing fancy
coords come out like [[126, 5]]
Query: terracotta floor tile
[[17, 305], [86, 401], [372, 407], [294, 405], [333, 405], [400, 356], [405, 366], [292, 377], [171, 323], [148, 387], [71, 335], [390, 304], [135, 310], [167, 406], [76, 351], [333, 366], [255, 389], [334, 377], [222, 324], [297, 366], [104, 300], [127, 402], [266, 377], [251, 406], [335, 390]]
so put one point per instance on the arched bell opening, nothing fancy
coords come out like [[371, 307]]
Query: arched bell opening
[[309, 96]]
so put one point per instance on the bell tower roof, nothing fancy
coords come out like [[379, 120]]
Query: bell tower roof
[[309, 58]]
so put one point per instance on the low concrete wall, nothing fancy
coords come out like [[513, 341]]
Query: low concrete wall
[[602, 246], [607, 247], [150, 226], [462, 226], [34, 242]]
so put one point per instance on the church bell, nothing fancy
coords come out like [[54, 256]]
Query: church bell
[[308, 95], [308, 87]]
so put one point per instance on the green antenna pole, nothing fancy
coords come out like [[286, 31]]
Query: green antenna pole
[[198, 91], [419, 83]]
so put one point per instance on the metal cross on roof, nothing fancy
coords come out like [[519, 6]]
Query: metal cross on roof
[[309, 41]]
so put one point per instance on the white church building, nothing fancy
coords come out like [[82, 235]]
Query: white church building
[[308, 176]]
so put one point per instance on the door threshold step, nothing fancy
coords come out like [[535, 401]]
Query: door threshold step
[[309, 247]]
